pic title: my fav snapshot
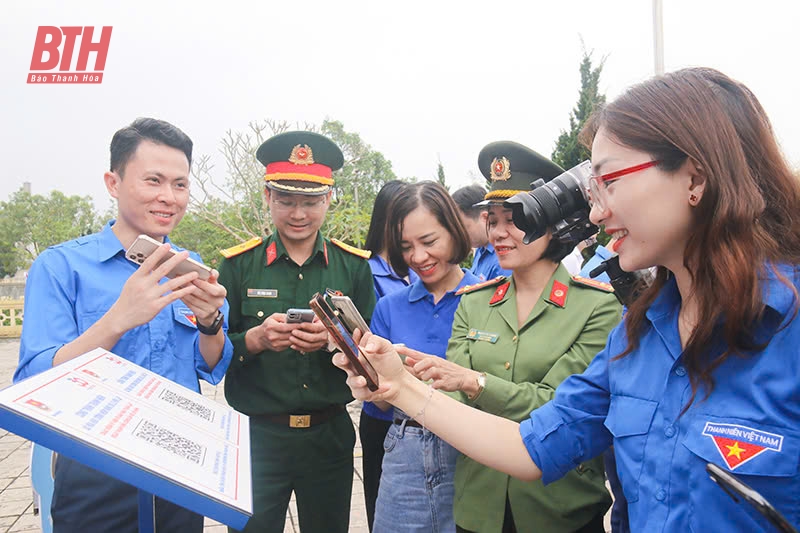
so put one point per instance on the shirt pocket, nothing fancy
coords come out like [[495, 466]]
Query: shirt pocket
[[764, 457], [629, 420]]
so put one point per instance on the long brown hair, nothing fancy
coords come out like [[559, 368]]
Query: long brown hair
[[748, 218]]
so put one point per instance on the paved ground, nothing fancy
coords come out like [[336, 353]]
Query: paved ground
[[16, 501]]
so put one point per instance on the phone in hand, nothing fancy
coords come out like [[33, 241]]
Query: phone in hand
[[343, 337], [144, 246], [346, 310], [296, 316], [734, 487]]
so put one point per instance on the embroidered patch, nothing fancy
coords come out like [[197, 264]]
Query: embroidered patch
[[739, 444], [478, 335], [272, 253], [500, 293], [188, 315], [262, 293], [559, 293]]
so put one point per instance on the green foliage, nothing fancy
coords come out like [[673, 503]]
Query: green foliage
[[29, 223], [569, 151], [440, 176]]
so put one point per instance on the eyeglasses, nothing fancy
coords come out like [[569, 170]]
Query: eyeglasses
[[599, 184], [285, 206]]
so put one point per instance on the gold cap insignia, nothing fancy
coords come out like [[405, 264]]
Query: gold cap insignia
[[501, 169], [302, 155]]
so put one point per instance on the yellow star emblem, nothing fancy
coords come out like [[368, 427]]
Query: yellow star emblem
[[735, 450]]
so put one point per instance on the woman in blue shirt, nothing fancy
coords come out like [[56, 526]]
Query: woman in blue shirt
[[423, 234], [704, 369], [374, 422]]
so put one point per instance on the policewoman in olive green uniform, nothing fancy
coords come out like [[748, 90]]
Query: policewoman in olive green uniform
[[514, 341], [281, 375]]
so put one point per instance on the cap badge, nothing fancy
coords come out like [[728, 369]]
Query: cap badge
[[302, 155], [501, 169]]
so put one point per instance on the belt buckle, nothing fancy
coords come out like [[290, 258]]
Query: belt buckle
[[299, 421]]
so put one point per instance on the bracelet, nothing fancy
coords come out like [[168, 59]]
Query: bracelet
[[420, 416]]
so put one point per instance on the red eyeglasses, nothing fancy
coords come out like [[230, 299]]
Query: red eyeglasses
[[598, 184]]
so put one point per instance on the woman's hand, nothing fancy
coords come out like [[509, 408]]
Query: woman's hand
[[445, 375], [384, 359]]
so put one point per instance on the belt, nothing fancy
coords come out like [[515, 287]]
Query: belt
[[303, 420], [410, 422]]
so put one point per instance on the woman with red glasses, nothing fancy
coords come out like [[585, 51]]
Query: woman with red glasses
[[705, 366]]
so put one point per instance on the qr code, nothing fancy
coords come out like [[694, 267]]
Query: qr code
[[170, 441], [186, 404]]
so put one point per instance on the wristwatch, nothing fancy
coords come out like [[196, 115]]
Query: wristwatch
[[481, 381], [213, 328]]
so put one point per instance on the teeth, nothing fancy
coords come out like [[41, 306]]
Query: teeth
[[162, 214], [426, 268], [619, 234]]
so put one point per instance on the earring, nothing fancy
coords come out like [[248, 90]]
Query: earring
[[693, 199]]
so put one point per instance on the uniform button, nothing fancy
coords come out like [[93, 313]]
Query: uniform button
[[661, 495], [241, 358], [514, 338], [300, 275], [305, 386], [669, 431], [260, 314], [580, 468], [681, 371], [508, 365], [436, 315]]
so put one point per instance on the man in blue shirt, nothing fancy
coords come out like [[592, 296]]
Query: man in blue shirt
[[484, 261], [85, 294]]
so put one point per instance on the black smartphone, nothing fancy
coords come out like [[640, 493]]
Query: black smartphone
[[343, 338], [296, 316], [734, 487]]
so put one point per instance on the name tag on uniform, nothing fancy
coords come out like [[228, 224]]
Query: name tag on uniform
[[262, 293], [478, 335]]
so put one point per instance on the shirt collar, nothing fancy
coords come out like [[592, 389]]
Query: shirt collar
[[109, 244], [417, 290], [381, 268], [320, 248]]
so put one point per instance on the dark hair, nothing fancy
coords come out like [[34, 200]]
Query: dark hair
[[127, 140], [748, 213], [377, 224], [466, 197], [437, 200]]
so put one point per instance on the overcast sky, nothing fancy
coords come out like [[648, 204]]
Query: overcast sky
[[419, 81]]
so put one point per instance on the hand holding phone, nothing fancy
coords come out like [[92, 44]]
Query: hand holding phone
[[298, 316], [144, 246]]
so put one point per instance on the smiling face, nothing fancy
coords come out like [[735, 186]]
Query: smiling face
[[297, 217], [506, 239], [427, 247], [152, 192], [649, 212]]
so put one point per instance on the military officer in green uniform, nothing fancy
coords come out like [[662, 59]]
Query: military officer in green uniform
[[514, 341], [281, 375]]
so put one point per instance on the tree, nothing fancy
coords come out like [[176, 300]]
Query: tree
[[29, 223], [569, 151], [440, 175]]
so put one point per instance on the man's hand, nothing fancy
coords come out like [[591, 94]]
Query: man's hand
[[309, 336], [142, 297], [207, 299], [274, 334]]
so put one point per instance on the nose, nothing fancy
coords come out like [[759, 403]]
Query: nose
[[597, 214], [166, 194], [418, 256]]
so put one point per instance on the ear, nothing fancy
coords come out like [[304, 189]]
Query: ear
[[484, 216], [266, 195], [697, 180], [328, 196], [113, 182]]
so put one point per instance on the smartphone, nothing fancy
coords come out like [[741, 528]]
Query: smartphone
[[734, 487], [296, 316], [322, 307], [144, 246], [348, 313]]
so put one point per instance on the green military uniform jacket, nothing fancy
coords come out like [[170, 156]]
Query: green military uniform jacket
[[567, 327], [264, 280]]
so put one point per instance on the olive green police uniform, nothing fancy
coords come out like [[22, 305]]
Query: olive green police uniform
[[301, 436], [566, 328]]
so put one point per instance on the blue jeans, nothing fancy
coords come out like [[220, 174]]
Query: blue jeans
[[416, 488]]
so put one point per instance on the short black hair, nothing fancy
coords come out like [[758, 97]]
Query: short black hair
[[437, 200], [127, 140], [467, 197], [376, 234]]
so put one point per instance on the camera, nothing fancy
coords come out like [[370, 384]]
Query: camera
[[561, 204]]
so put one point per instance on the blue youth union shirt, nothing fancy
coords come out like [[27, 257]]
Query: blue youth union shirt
[[386, 279], [71, 285], [485, 265], [748, 425]]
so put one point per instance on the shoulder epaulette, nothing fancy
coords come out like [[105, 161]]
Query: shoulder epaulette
[[466, 289], [352, 249], [233, 251], [593, 283]]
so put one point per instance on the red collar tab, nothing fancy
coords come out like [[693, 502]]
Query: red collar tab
[[558, 295], [272, 253], [325, 251], [500, 293]]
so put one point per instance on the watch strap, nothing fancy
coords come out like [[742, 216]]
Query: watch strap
[[214, 327]]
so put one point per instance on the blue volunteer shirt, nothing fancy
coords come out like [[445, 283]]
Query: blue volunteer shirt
[[410, 317], [485, 265], [386, 279], [748, 425], [71, 285]]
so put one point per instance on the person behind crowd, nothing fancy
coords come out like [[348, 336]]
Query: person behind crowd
[[484, 259], [84, 294], [688, 176], [281, 375], [374, 422], [423, 233], [509, 350]]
